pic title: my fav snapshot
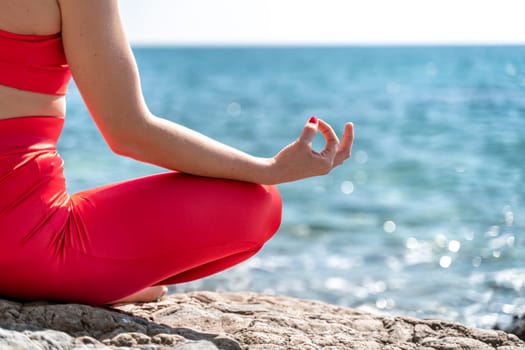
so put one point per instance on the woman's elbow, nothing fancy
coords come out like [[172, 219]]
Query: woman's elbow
[[123, 142], [125, 137], [118, 148]]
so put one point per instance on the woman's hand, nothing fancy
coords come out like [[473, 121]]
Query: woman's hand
[[299, 160]]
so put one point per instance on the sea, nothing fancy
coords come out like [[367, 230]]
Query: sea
[[427, 217]]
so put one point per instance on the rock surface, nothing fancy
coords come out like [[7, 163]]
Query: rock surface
[[208, 320], [517, 326]]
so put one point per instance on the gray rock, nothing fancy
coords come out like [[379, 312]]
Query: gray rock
[[231, 321], [517, 326], [197, 345]]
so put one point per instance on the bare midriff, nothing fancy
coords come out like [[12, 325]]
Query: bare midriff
[[20, 103]]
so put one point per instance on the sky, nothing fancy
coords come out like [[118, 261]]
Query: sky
[[323, 22]]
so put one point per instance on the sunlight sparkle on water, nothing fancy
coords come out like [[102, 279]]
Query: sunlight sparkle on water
[[335, 283], [454, 246], [440, 240], [389, 226], [508, 308], [385, 303], [347, 187], [445, 261], [493, 231], [411, 243]]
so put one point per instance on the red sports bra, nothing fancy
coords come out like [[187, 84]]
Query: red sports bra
[[33, 62]]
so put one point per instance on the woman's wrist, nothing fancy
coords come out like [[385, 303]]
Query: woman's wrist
[[265, 172]]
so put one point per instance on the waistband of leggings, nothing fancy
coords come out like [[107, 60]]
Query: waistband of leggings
[[30, 131]]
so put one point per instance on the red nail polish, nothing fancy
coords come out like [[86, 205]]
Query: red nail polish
[[313, 120]]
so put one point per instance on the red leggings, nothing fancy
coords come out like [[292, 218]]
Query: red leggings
[[103, 244]]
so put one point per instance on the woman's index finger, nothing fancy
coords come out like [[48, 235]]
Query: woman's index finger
[[332, 141]]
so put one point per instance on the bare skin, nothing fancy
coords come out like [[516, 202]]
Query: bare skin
[[103, 65], [146, 295]]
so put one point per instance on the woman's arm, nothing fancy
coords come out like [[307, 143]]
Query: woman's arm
[[106, 74]]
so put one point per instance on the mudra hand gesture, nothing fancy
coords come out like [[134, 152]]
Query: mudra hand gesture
[[299, 160]]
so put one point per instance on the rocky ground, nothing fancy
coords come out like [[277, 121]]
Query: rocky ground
[[517, 327], [206, 320]]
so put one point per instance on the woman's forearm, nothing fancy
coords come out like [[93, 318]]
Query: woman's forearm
[[161, 142], [173, 146]]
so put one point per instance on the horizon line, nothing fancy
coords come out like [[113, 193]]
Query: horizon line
[[232, 44]]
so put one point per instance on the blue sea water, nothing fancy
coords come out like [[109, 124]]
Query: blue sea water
[[428, 216]]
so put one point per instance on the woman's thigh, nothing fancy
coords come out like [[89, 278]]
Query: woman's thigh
[[137, 233], [170, 212]]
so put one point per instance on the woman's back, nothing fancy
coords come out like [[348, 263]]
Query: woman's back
[[29, 17]]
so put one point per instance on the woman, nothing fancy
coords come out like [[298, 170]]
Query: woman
[[121, 242]]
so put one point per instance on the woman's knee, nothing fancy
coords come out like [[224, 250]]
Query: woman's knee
[[268, 212]]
